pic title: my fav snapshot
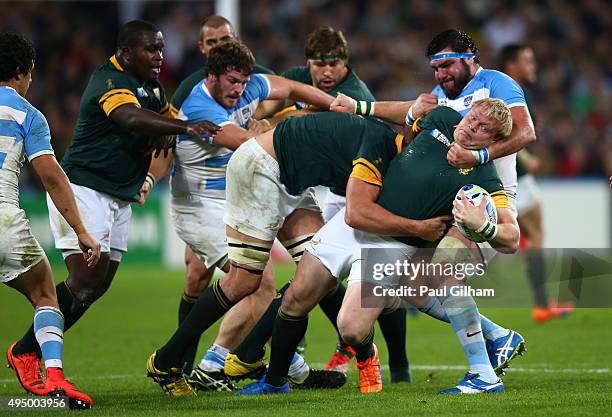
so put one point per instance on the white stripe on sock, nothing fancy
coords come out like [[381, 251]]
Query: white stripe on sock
[[49, 334]]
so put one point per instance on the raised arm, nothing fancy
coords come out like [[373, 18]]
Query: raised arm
[[282, 88], [391, 111]]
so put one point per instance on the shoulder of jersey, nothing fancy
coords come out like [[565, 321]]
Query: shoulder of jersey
[[488, 74]]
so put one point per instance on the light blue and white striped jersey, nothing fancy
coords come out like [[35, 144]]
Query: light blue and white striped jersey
[[485, 84], [199, 164], [24, 132]]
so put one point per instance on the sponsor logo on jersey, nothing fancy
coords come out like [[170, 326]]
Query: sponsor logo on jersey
[[246, 112], [140, 92], [109, 84], [439, 136], [467, 101], [465, 171]]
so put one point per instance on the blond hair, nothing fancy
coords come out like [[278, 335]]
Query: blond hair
[[497, 109]]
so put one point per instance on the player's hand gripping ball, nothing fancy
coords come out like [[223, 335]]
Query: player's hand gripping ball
[[475, 195]]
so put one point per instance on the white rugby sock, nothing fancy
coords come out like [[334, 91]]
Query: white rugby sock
[[214, 359], [298, 370]]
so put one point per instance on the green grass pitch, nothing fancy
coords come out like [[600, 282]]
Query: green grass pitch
[[565, 372]]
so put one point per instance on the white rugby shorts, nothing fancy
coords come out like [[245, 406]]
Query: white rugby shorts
[[528, 194], [333, 204], [340, 248], [257, 202], [19, 249], [106, 218], [198, 221]]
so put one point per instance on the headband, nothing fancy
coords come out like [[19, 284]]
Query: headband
[[447, 55], [325, 57]]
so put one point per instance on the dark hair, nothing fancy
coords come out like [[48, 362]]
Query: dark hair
[[216, 21], [510, 53], [228, 56], [326, 41], [17, 56], [456, 39], [131, 33]]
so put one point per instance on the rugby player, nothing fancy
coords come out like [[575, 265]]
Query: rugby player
[[327, 54], [214, 30], [23, 264], [121, 122], [406, 194], [453, 56]]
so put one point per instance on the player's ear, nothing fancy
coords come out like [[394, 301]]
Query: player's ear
[[125, 52]]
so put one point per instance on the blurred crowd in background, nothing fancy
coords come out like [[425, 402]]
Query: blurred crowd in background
[[387, 41]]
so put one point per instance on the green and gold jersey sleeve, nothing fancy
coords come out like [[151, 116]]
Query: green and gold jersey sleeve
[[486, 177], [117, 90], [372, 160], [103, 155]]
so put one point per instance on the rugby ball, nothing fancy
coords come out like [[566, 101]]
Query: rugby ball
[[475, 194]]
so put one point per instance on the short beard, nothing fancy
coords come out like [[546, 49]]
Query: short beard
[[459, 83]]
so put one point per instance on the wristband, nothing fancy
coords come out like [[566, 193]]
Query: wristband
[[410, 117], [150, 179], [481, 156], [488, 230], [365, 108], [79, 229]]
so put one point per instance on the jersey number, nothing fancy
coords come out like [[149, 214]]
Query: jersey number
[[6, 143]]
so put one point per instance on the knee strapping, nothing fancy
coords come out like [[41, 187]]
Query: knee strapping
[[452, 250], [249, 255], [297, 245]]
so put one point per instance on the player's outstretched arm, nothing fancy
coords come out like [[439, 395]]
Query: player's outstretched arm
[[397, 112], [232, 136], [506, 234], [362, 212], [56, 183], [151, 123], [283, 88]]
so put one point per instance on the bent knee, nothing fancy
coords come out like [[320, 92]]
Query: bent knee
[[352, 332]]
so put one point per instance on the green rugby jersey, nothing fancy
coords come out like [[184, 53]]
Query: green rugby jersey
[[185, 87], [328, 148], [102, 155], [420, 183], [351, 85]]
